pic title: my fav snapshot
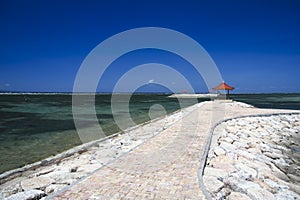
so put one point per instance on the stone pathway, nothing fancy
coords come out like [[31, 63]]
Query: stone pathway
[[167, 165]]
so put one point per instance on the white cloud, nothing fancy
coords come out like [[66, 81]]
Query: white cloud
[[151, 81]]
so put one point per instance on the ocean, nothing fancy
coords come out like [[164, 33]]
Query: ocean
[[36, 126]]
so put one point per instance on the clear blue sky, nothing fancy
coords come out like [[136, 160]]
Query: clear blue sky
[[255, 44]]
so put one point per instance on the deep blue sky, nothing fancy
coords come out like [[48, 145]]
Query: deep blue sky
[[255, 44]]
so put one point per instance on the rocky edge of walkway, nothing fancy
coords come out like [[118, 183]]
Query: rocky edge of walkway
[[255, 158]]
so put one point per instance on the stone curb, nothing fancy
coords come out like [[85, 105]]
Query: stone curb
[[208, 145]]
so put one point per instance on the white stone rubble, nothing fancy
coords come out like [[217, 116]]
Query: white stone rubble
[[255, 158]]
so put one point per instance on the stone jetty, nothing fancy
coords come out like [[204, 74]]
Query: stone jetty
[[165, 159]]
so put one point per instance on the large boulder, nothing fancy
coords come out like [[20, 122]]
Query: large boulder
[[27, 195], [36, 183]]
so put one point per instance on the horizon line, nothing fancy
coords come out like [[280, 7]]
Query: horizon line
[[70, 93]]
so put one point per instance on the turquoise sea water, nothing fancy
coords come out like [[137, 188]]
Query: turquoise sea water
[[33, 127], [276, 101]]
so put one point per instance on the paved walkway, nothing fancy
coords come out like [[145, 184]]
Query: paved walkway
[[164, 167]]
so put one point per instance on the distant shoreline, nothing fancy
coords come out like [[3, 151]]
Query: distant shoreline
[[137, 93]]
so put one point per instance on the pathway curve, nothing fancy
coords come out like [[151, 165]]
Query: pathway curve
[[167, 165]]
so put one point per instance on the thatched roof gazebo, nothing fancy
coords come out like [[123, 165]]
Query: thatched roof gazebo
[[224, 86]]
